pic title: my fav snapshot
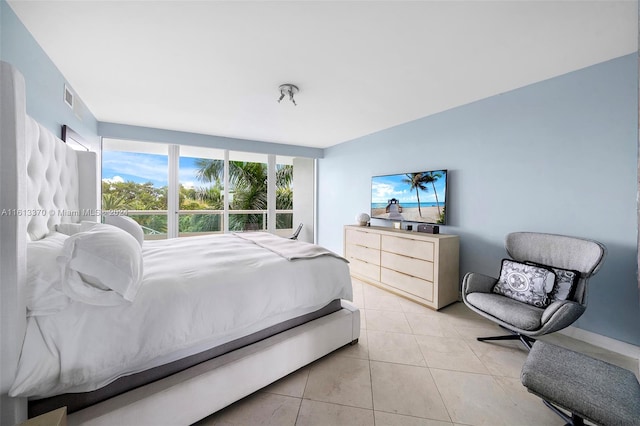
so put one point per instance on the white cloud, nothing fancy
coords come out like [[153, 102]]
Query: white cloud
[[115, 179], [381, 192]]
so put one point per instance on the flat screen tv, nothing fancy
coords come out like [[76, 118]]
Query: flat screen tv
[[410, 197]]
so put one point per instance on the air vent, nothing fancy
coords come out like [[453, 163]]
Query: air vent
[[68, 96]]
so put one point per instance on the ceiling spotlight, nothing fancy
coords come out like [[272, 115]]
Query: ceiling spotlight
[[290, 90]]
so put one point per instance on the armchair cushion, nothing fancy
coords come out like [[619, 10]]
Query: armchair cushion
[[517, 314], [594, 389], [566, 281], [525, 282]]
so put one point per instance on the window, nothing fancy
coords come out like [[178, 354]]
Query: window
[[201, 191], [134, 178], [178, 190]]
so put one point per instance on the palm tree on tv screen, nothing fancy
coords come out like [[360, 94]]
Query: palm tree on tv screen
[[415, 181], [432, 177]]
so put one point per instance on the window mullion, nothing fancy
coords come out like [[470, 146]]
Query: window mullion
[[271, 193], [173, 191], [225, 216]]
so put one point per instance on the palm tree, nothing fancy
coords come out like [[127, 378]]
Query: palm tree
[[415, 181], [113, 201], [432, 177], [249, 183]]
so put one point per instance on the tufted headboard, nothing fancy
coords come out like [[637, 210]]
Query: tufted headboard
[[55, 174], [43, 182]]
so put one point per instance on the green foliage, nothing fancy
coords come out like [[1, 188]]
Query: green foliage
[[248, 183]]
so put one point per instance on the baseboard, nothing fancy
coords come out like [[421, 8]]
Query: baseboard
[[623, 348]]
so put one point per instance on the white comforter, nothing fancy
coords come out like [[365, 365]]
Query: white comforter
[[197, 292]]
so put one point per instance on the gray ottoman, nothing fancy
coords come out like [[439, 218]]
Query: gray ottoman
[[589, 388]]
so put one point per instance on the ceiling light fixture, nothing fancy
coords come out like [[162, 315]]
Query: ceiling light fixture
[[288, 89]]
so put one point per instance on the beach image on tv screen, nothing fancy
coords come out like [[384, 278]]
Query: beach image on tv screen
[[410, 197]]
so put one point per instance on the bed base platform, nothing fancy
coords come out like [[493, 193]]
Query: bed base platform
[[77, 401], [199, 391]]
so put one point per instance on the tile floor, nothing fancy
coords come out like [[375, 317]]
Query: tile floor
[[412, 366]]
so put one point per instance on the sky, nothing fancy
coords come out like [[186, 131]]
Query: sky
[[141, 168], [383, 188]]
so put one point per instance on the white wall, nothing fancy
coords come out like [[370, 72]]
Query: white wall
[[559, 156]]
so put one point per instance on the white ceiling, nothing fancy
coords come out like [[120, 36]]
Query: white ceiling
[[214, 67]]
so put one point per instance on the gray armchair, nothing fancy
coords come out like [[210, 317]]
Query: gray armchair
[[526, 322]]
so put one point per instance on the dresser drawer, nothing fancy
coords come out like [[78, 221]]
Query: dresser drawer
[[408, 247], [367, 254], [413, 285], [407, 265], [362, 238], [364, 269]]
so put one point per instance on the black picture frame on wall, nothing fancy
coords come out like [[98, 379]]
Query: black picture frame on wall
[[73, 139]]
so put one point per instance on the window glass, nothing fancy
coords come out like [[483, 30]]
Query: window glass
[[134, 178], [201, 191], [284, 192], [247, 191]]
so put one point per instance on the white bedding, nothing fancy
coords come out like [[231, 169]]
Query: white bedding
[[197, 292]]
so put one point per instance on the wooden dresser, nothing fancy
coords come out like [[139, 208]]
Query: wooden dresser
[[421, 267]]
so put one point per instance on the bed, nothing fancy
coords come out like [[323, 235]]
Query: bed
[[185, 357]]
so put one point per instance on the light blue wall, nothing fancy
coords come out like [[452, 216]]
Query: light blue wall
[[559, 156], [138, 133], [44, 82]]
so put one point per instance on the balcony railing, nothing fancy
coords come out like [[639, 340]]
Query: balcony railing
[[208, 222]]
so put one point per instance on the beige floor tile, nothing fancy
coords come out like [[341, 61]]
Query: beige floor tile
[[528, 407], [390, 321], [469, 320], [502, 360], [479, 330], [430, 325], [388, 419], [394, 347], [458, 309], [315, 413], [475, 399], [257, 409], [363, 318], [449, 354], [415, 308], [408, 390], [291, 385], [411, 378], [376, 298], [443, 344], [342, 380], [359, 350]]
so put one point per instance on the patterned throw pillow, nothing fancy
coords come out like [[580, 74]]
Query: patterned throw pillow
[[526, 283], [566, 280]]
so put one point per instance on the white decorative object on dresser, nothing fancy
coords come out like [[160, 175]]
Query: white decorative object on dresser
[[420, 267]]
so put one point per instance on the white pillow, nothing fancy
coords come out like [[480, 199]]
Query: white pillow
[[43, 293], [74, 228], [127, 224], [102, 266]]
